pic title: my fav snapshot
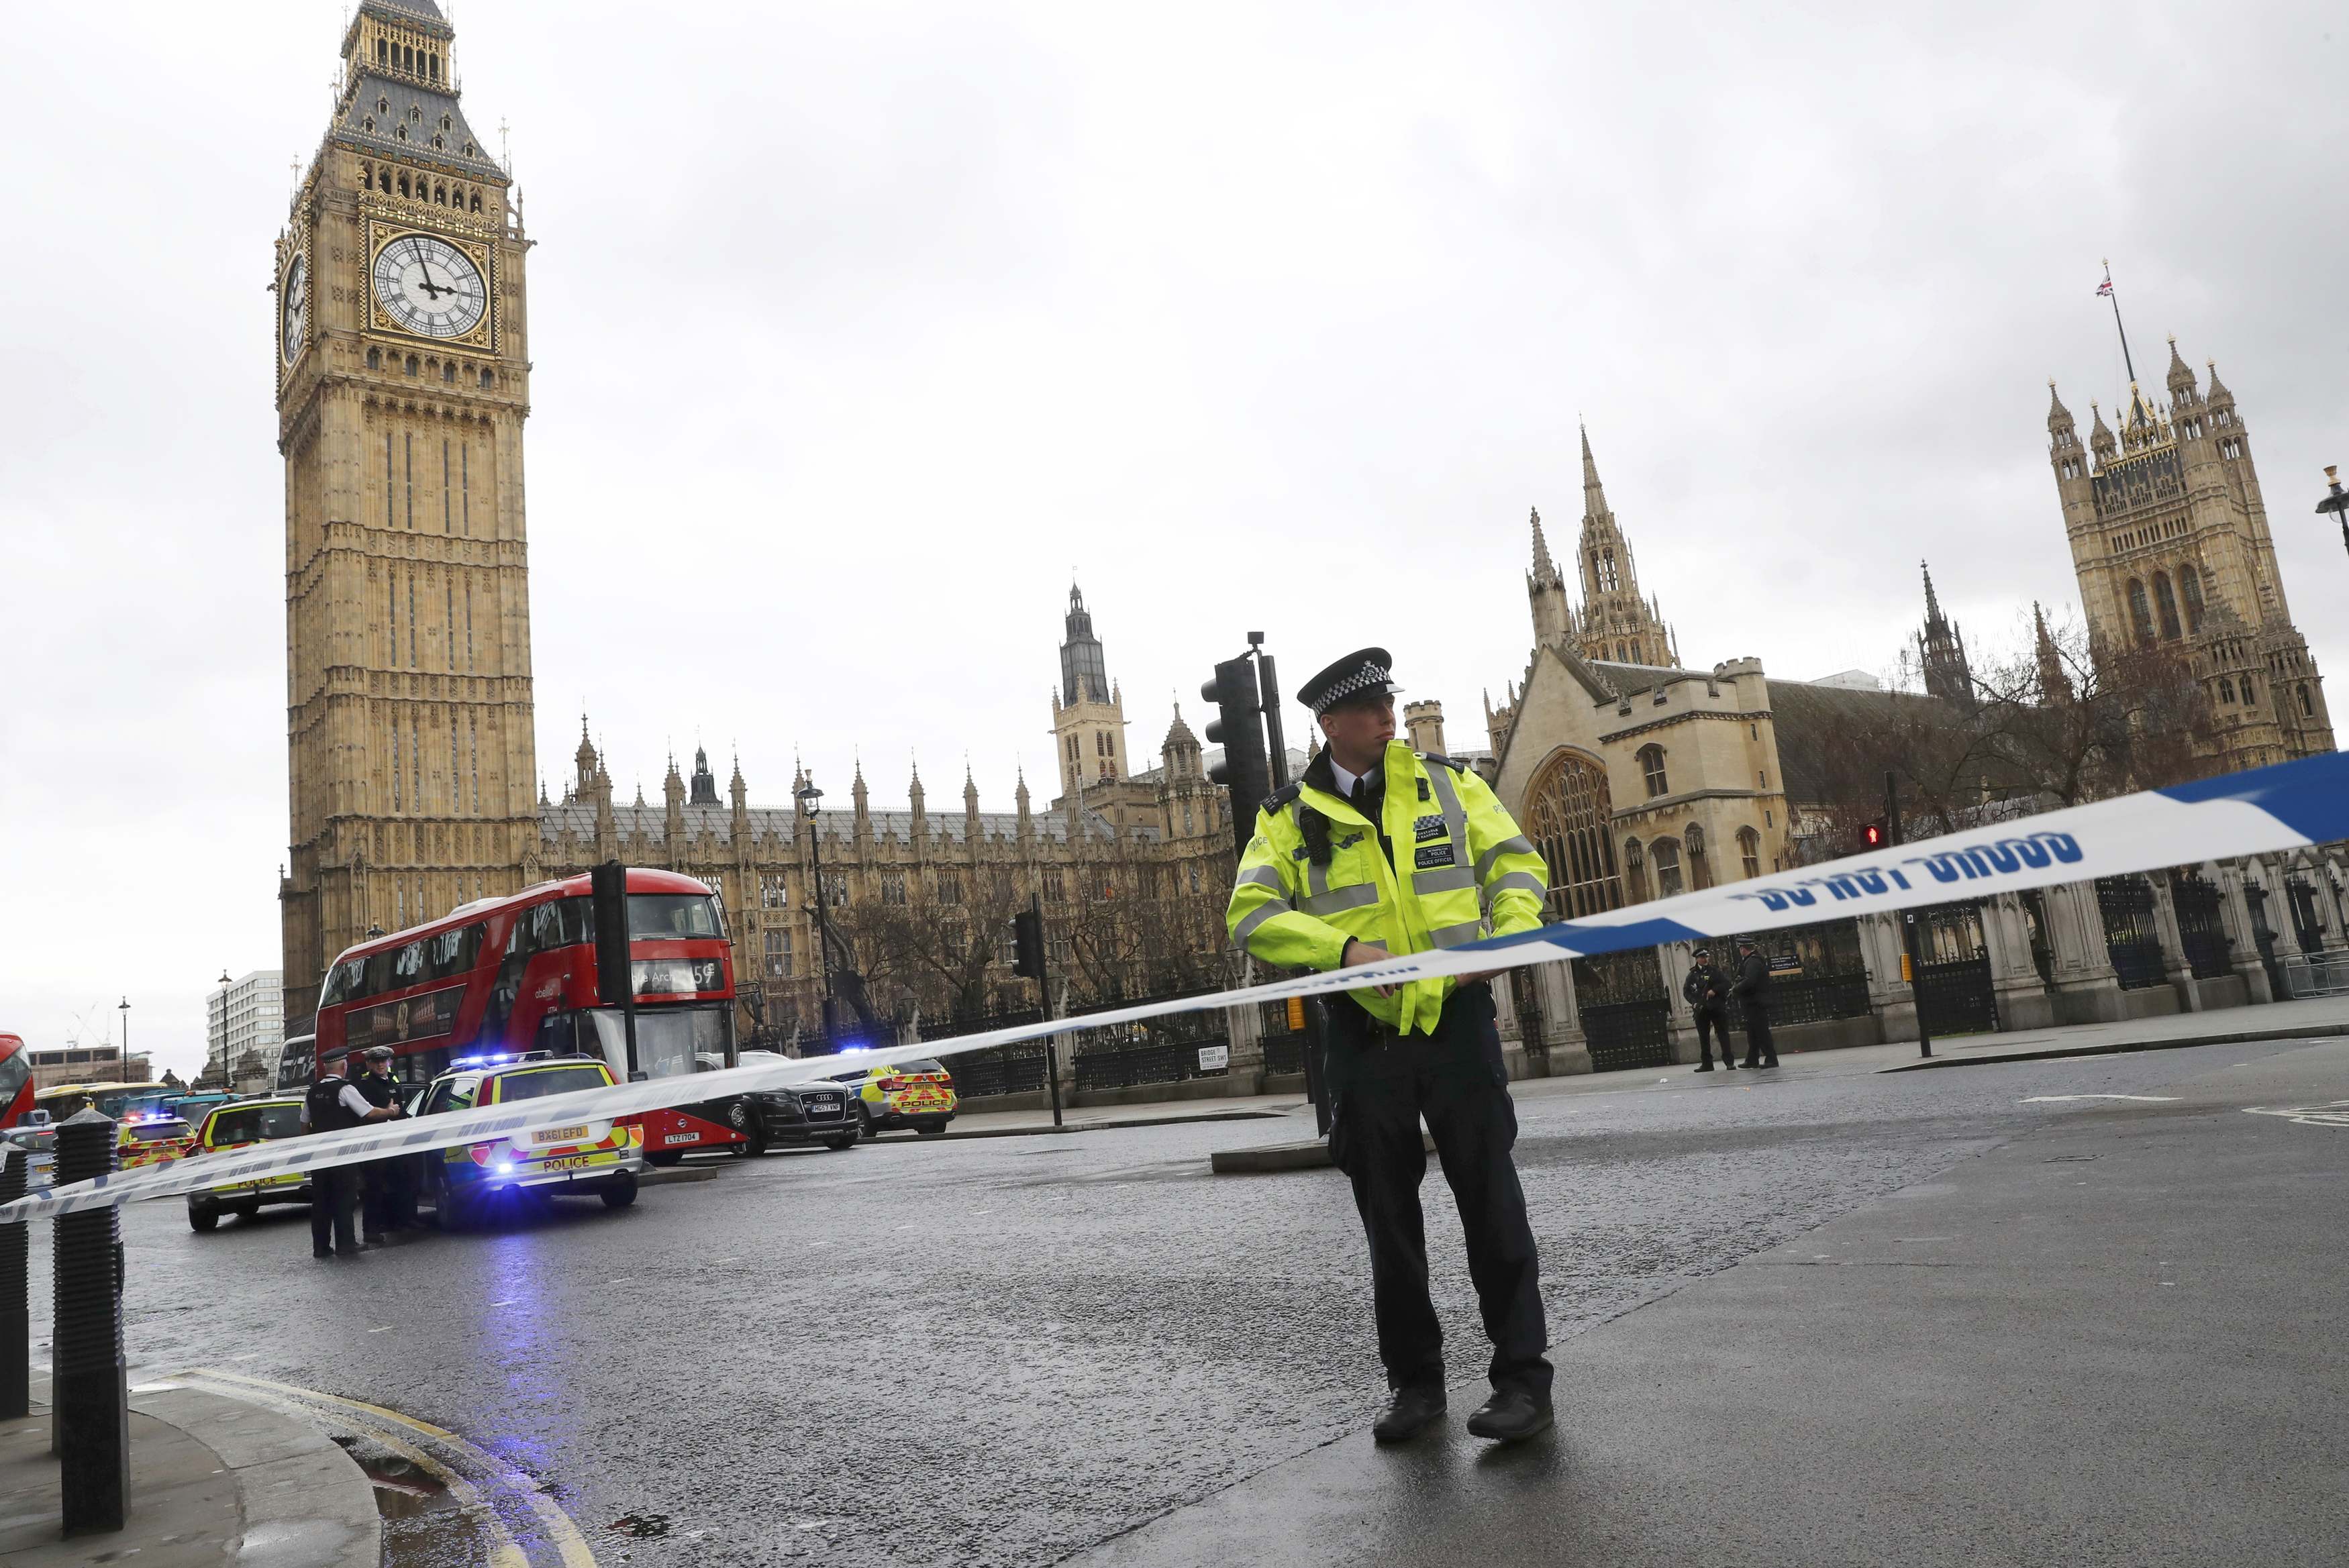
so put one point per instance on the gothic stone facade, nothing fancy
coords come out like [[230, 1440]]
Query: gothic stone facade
[[2169, 539], [403, 366]]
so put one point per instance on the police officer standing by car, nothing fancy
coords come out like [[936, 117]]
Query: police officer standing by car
[[1378, 851], [331, 1105], [385, 1197]]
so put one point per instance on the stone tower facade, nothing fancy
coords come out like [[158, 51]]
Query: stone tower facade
[[1941, 652], [1087, 711], [1616, 624], [403, 381], [2170, 540]]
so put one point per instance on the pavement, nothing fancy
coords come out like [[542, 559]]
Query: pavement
[[2112, 1340], [214, 1480], [1018, 1350]]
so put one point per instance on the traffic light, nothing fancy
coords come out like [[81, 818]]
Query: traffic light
[[1236, 729], [1027, 945], [607, 895], [1872, 835]]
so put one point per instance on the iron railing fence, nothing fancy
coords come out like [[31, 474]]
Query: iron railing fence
[[2202, 928], [2132, 936]]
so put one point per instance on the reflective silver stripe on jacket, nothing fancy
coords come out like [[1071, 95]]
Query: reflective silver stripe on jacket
[[1454, 936], [1525, 880], [1257, 916], [1332, 902], [1517, 846], [1447, 879], [1265, 876]]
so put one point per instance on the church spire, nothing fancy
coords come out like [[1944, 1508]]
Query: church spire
[[1941, 652], [1618, 624]]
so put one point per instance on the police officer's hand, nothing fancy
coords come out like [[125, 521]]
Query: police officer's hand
[[1359, 952]]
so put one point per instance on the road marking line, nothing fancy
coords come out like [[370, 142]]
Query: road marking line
[[505, 1552], [564, 1535], [2054, 1099], [2332, 1113]]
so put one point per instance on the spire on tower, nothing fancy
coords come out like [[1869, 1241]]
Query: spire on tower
[[1544, 568], [1941, 650], [2059, 417]]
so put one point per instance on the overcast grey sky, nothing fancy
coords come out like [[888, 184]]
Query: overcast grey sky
[[858, 328]]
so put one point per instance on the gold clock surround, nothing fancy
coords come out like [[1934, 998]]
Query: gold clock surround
[[473, 241]]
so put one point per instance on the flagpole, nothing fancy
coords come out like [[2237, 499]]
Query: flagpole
[[2107, 291]]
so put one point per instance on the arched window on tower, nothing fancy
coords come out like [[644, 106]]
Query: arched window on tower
[[2226, 689], [475, 204], [2167, 602], [1666, 853], [485, 375], [2250, 698], [449, 373], [1651, 770], [1567, 812], [1700, 868], [2140, 611], [382, 50], [1749, 852], [375, 359], [1635, 872], [2307, 708], [2190, 587]]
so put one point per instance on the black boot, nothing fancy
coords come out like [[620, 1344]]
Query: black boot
[[1511, 1416], [1411, 1411], [1705, 1066]]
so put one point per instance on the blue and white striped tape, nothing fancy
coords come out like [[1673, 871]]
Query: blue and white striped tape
[[2289, 806]]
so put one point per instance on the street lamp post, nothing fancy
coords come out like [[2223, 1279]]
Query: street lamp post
[[808, 794], [219, 1076], [2337, 501], [124, 1008]]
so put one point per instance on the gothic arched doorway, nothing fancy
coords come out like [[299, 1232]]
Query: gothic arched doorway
[[1567, 811]]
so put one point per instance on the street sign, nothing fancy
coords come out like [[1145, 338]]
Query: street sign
[[1214, 1058]]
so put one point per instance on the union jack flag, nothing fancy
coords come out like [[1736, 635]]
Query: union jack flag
[[2104, 288]]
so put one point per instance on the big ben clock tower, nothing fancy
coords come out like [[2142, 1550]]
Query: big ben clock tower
[[402, 384]]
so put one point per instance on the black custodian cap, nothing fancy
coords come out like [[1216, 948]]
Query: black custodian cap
[[1361, 673]]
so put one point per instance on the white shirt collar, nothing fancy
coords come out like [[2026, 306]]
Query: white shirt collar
[[1345, 780]]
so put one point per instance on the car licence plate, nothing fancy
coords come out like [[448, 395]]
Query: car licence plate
[[682, 1137], [558, 1135]]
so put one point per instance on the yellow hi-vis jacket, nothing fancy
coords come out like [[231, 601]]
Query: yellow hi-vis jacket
[[1461, 871]]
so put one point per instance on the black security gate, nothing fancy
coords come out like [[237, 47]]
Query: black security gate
[[1627, 1020], [1817, 974], [1006, 1069], [2132, 938], [2201, 929], [1163, 1050], [1951, 979], [1284, 1036], [2307, 924]]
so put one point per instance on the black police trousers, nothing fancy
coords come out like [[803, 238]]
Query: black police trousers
[[1380, 1086], [1712, 1023], [331, 1198], [1758, 1045]]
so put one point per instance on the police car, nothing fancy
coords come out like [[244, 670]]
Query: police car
[[554, 1159], [241, 1124], [152, 1139], [919, 1094]]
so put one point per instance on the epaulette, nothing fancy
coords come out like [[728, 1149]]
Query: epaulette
[[1441, 760], [1284, 795]]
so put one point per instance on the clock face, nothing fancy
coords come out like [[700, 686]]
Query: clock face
[[429, 287], [294, 307]]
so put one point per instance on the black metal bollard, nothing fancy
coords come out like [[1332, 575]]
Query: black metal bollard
[[15, 1294], [90, 1387]]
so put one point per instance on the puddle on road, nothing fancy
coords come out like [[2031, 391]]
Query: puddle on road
[[422, 1525]]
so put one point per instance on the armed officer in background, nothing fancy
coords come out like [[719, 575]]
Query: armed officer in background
[[1378, 851], [386, 1201], [330, 1106]]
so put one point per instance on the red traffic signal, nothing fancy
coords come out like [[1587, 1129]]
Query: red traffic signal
[[1871, 836]]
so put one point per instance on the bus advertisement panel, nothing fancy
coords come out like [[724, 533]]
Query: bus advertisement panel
[[500, 977]]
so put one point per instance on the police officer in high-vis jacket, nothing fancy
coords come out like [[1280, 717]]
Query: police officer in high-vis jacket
[[1380, 851]]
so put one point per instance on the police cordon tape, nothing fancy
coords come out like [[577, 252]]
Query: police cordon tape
[[2291, 805]]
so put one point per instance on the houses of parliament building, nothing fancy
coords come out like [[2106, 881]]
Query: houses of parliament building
[[403, 369]]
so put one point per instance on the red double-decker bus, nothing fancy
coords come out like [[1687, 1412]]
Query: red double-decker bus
[[500, 977], [16, 1080]]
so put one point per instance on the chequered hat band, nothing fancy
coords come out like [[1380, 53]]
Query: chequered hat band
[[1362, 679]]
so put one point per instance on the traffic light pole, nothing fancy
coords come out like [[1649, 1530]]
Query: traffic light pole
[[1044, 991], [1267, 686], [1908, 954]]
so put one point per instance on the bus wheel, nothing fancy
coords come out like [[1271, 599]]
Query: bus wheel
[[202, 1219], [621, 1193], [664, 1159]]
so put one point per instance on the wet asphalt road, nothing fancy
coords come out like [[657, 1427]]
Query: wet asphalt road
[[1006, 1350]]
